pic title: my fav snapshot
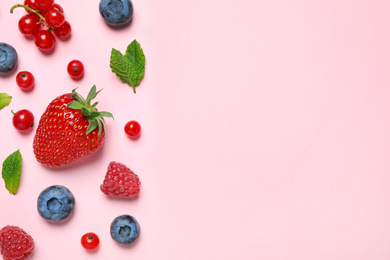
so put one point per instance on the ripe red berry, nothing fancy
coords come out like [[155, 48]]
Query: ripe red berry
[[67, 131], [63, 32], [25, 80], [15, 243], [54, 18], [90, 241], [75, 69], [31, 4], [133, 129], [23, 120], [44, 5], [120, 181], [29, 24], [58, 8], [45, 41]]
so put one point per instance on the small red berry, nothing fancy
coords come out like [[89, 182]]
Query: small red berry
[[44, 5], [25, 80], [75, 69], [58, 7], [45, 41], [90, 241], [29, 24], [54, 18], [31, 4], [133, 129], [23, 120], [63, 32]]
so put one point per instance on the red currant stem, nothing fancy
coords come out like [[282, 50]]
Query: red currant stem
[[37, 12], [12, 112]]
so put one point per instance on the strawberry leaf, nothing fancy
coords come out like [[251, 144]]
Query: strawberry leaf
[[106, 114], [92, 126], [91, 95], [78, 97], [75, 105]]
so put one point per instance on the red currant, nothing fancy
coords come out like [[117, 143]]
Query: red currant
[[58, 8], [25, 80], [133, 129], [31, 4], [75, 69], [44, 5], [29, 24], [63, 32], [45, 40], [23, 120], [90, 241], [54, 18]]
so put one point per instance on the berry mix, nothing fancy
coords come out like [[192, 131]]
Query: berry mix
[[71, 127]]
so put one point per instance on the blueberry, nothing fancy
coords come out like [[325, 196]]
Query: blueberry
[[55, 203], [8, 58], [116, 12], [125, 229]]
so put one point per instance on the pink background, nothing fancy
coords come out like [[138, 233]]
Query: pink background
[[265, 130]]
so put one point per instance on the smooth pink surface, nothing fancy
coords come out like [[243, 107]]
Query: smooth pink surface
[[265, 130]]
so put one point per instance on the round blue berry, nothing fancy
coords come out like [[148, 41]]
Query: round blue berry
[[55, 203], [116, 12], [125, 229], [8, 58]]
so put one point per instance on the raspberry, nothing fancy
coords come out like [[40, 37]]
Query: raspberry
[[120, 181], [15, 243]]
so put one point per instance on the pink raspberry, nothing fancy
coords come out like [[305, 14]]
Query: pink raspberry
[[15, 243], [120, 181]]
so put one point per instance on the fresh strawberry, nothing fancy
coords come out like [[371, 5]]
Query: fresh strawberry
[[70, 129]]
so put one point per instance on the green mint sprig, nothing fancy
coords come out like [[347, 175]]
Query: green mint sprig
[[5, 99], [130, 68], [12, 167]]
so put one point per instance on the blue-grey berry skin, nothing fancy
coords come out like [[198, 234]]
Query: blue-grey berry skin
[[125, 229], [116, 12], [56, 203], [8, 58]]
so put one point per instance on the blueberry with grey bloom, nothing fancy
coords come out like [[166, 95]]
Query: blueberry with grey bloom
[[8, 58], [116, 12], [125, 229], [55, 203]]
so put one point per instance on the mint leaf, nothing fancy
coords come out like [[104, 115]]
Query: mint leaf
[[5, 99], [130, 68], [12, 167]]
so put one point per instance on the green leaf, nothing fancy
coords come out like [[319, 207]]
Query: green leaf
[[94, 114], [5, 99], [92, 126], [91, 94], [135, 55], [78, 97], [75, 105], [103, 124], [130, 68], [106, 114], [85, 111], [93, 106], [100, 125], [120, 66], [12, 167]]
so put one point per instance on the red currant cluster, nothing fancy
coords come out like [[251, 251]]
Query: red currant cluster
[[43, 18]]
